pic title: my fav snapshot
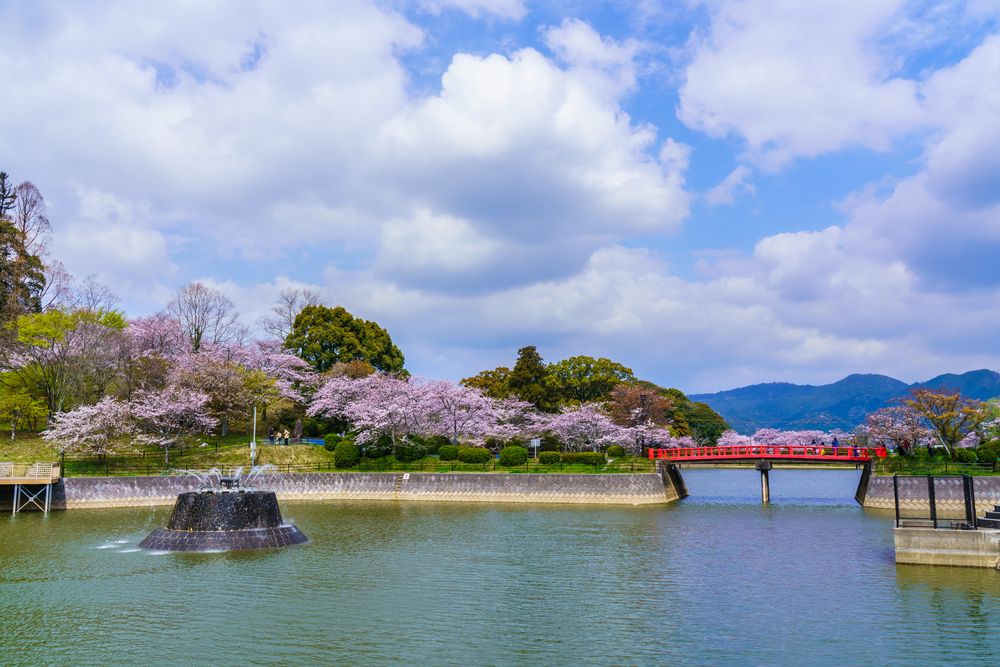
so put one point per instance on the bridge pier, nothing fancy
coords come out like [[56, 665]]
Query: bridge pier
[[765, 484]]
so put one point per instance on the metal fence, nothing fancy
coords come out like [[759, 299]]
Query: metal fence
[[935, 501]]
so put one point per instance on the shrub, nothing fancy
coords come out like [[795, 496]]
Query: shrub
[[474, 455], [965, 456], [616, 451], [376, 449], [410, 450], [448, 452], [548, 458], [513, 455], [588, 458], [434, 443], [986, 455], [346, 454], [330, 441], [550, 443]]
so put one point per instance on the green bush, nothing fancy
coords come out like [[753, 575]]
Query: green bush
[[330, 441], [587, 458], [434, 443], [616, 451], [513, 455], [474, 455], [410, 450], [548, 457], [549, 443], [986, 455], [448, 452], [346, 454], [378, 448], [965, 456]]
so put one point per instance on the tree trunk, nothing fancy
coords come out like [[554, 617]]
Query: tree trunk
[[166, 456]]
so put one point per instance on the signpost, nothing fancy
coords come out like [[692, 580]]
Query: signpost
[[536, 443]]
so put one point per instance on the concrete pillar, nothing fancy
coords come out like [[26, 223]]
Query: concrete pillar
[[765, 485]]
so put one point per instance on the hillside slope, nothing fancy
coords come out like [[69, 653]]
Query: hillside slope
[[842, 404]]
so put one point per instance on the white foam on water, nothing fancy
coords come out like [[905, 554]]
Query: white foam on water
[[128, 551], [106, 546], [122, 541], [157, 553]]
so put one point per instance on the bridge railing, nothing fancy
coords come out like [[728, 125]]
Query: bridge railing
[[815, 452], [935, 501]]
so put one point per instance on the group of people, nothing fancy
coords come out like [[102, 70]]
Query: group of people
[[276, 435]]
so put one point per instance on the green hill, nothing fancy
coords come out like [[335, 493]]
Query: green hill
[[842, 404]]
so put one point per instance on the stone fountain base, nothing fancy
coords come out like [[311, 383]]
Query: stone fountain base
[[224, 521]]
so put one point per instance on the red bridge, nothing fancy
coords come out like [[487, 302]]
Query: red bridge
[[808, 453]]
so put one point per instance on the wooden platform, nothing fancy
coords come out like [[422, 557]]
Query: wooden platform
[[28, 473], [26, 478]]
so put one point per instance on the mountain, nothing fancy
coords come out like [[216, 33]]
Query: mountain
[[842, 404]]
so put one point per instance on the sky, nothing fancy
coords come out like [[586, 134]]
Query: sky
[[714, 193]]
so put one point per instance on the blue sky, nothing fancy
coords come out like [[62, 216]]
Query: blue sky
[[714, 193]]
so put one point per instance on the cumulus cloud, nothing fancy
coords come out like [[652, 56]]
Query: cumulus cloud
[[797, 79]]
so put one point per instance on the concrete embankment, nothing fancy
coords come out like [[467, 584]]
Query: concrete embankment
[[878, 494], [611, 489]]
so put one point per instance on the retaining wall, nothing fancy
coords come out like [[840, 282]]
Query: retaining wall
[[915, 497], [613, 489]]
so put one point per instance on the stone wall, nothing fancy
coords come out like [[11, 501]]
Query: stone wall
[[614, 489], [914, 494]]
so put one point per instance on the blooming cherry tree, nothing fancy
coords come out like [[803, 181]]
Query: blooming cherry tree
[[587, 426], [97, 430], [165, 418]]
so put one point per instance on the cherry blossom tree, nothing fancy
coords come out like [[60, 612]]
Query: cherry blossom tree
[[779, 438], [588, 427], [897, 427], [460, 412], [165, 418], [99, 429], [377, 405], [731, 438]]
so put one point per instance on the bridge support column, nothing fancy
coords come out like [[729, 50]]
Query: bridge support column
[[765, 484]]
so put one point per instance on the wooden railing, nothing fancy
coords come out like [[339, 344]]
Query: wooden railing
[[28, 473]]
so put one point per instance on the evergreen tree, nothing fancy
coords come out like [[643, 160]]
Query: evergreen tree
[[529, 380], [326, 336]]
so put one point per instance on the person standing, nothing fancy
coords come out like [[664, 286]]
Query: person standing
[[287, 436], [270, 435]]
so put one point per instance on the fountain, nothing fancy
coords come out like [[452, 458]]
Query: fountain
[[226, 514]]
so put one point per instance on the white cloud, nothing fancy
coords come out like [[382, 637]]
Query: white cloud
[[507, 9], [730, 187], [797, 79]]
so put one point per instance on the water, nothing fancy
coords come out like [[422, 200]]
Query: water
[[713, 580]]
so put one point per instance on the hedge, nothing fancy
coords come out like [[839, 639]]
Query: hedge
[[474, 455], [588, 458], [616, 451], [448, 452], [513, 455], [330, 441], [548, 458]]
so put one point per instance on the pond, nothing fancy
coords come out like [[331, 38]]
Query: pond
[[716, 579]]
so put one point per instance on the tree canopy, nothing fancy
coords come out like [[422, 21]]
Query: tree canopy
[[326, 336]]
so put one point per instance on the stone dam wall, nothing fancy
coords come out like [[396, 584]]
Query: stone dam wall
[[914, 494], [611, 489]]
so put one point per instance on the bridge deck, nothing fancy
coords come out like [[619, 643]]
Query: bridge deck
[[808, 454]]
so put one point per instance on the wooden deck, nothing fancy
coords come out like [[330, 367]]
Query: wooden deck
[[28, 473]]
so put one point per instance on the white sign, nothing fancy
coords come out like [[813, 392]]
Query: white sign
[[535, 442]]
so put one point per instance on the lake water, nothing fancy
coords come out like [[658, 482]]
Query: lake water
[[716, 579]]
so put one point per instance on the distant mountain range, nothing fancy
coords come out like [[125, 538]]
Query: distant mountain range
[[842, 404]]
